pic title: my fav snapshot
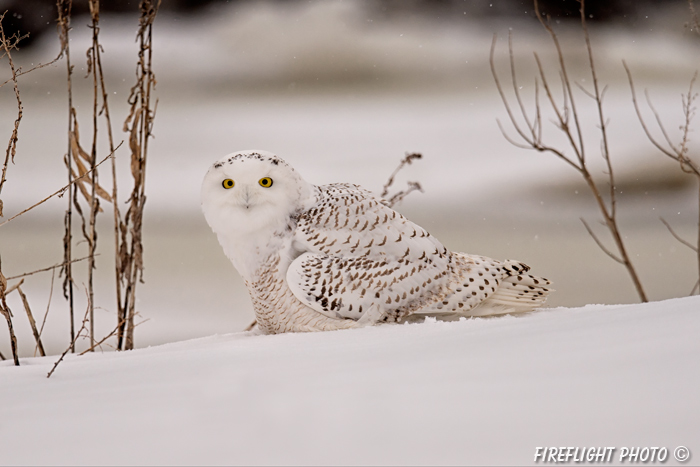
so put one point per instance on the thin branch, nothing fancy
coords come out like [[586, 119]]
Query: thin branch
[[600, 244], [32, 322], [568, 122], [695, 26], [48, 306], [512, 118], [62, 190], [8, 45], [83, 327], [398, 197], [407, 160], [677, 237], [639, 115], [111, 334], [7, 313], [50, 268], [12, 288], [567, 83]]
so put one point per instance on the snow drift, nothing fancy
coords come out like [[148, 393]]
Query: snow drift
[[477, 391]]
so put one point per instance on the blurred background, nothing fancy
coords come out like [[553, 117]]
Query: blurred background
[[342, 90]]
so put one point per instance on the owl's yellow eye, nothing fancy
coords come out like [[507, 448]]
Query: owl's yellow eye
[[265, 182], [228, 183]]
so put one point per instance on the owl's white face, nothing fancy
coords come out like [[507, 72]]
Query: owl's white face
[[250, 191]]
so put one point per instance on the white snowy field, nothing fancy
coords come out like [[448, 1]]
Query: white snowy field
[[477, 391]]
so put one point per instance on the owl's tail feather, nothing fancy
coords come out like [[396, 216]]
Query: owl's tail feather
[[518, 292]]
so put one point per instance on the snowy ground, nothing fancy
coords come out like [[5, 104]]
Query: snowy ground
[[479, 391]]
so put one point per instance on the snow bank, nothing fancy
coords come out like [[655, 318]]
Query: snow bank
[[478, 391]]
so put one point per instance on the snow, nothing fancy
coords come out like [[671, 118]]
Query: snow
[[477, 391]]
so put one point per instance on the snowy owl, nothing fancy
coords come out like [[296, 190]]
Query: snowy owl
[[337, 256]]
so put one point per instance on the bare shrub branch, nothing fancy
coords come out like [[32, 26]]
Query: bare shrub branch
[[58, 193], [32, 322], [412, 186], [7, 313], [71, 346], [568, 122], [139, 125], [50, 268], [677, 152]]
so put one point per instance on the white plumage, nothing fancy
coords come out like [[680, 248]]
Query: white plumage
[[336, 256]]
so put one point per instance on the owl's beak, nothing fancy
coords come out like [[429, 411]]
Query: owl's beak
[[246, 197]]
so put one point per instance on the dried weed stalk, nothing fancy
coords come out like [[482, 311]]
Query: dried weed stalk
[[7, 313], [678, 152], [412, 186], [529, 130], [64, 8], [83, 327], [32, 322], [7, 45], [139, 125]]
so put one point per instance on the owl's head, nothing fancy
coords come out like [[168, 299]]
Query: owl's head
[[251, 190]]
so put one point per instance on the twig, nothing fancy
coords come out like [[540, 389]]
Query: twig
[[48, 306], [7, 313], [679, 152], [398, 197], [695, 26], [600, 244], [72, 344], [64, 8], [412, 186], [12, 288], [6, 45], [677, 237], [50, 268], [62, 190], [139, 125], [111, 334], [567, 121], [32, 322]]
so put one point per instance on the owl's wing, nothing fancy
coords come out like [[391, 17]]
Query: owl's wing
[[359, 254]]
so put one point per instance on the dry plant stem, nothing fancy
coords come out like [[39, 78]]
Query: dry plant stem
[[83, 327], [7, 313], [50, 268], [64, 14], [695, 21], [99, 84], [12, 288], [61, 191], [407, 160], [102, 341], [92, 235], [139, 125], [567, 121], [6, 45], [48, 307], [677, 152], [32, 322], [116, 216]]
